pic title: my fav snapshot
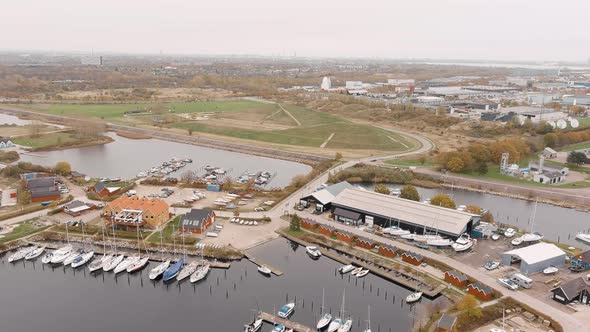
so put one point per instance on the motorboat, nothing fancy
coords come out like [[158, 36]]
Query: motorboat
[[414, 297], [362, 273], [409, 237], [187, 270], [396, 231], [278, 328], [98, 264], [113, 263], [82, 259], [212, 234], [463, 243], [264, 270], [517, 241], [47, 258], [346, 268], [509, 232], [158, 270], [356, 271], [441, 242], [583, 237], [20, 254], [138, 265], [334, 325], [71, 257], [34, 253], [61, 254], [491, 265], [324, 321], [427, 237], [508, 283], [532, 237], [254, 326], [550, 270], [495, 237], [346, 326], [313, 251], [201, 272], [125, 264], [173, 270], [286, 310]]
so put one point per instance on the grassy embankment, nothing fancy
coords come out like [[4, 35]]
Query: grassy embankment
[[25, 228], [58, 141]]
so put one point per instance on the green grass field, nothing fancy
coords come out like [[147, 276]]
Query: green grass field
[[584, 122], [45, 140], [22, 230], [408, 162], [578, 146]]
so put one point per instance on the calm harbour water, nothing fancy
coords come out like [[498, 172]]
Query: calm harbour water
[[554, 222], [6, 119], [38, 297], [126, 157]]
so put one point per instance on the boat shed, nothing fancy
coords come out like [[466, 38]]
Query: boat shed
[[417, 217], [535, 258], [323, 198], [573, 290]]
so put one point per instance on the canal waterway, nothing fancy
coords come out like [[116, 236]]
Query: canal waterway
[[37, 297], [554, 222], [126, 157]]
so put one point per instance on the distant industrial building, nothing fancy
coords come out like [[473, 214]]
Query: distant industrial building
[[326, 83], [535, 258], [353, 85], [322, 199], [355, 207], [579, 100], [547, 174], [400, 81]]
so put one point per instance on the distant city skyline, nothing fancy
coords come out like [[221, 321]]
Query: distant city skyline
[[501, 30]]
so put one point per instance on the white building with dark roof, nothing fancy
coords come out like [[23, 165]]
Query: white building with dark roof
[[535, 258]]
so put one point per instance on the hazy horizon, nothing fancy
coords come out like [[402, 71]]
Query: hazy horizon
[[502, 30]]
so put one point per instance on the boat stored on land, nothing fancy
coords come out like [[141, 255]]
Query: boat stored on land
[[509, 232], [491, 265], [550, 270], [518, 241], [463, 243], [508, 283]]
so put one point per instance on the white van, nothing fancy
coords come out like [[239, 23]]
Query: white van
[[522, 281]]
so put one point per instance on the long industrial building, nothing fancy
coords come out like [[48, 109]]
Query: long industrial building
[[355, 207]]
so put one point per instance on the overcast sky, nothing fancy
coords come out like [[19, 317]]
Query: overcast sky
[[454, 29]]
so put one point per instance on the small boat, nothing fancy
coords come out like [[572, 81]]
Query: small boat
[[187, 270], [20, 254], [71, 257], [82, 259], [201, 272], [334, 325], [583, 237], [113, 263], [326, 318], [34, 253], [254, 326], [356, 270], [463, 243], [495, 237], [396, 231], [138, 265], [47, 258], [125, 264], [212, 234], [218, 227], [491, 265], [409, 237], [506, 282], [414, 297], [98, 264], [278, 328], [346, 326], [286, 310], [550, 270], [255, 223], [241, 222], [518, 241], [173, 270], [346, 268], [264, 270], [158, 270], [442, 242], [509, 232], [532, 237], [60, 254], [362, 273], [313, 251]]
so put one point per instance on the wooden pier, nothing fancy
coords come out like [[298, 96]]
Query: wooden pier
[[382, 271], [270, 318], [258, 262]]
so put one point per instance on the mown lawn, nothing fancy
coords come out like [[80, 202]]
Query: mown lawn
[[577, 146], [44, 140], [408, 162], [23, 229]]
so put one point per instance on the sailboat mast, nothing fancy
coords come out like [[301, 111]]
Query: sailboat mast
[[161, 244], [104, 244], [322, 307], [114, 236], [138, 247]]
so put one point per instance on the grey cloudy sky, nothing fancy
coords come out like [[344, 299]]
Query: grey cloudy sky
[[467, 29]]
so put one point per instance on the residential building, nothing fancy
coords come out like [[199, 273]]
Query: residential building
[[365, 243], [75, 208], [102, 190], [43, 189], [5, 142], [197, 221], [134, 211], [573, 290]]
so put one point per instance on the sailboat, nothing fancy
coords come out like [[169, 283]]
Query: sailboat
[[187, 270], [396, 230], [20, 254], [99, 263], [336, 323], [62, 253], [532, 236], [141, 261], [368, 329], [36, 252], [117, 259], [84, 257], [173, 270], [347, 324], [201, 272], [158, 270], [47, 258], [326, 318]]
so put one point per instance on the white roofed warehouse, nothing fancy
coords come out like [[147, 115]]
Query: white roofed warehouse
[[373, 208], [535, 258]]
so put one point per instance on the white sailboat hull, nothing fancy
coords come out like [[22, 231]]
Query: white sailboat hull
[[158, 270]]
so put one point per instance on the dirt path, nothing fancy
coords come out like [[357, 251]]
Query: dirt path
[[327, 141], [290, 115], [398, 141]]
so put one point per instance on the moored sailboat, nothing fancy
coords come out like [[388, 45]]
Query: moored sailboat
[[326, 318]]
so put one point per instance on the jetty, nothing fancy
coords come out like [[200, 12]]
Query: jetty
[[258, 262], [382, 271], [270, 318]]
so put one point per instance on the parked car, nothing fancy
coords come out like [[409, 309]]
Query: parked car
[[259, 209]]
